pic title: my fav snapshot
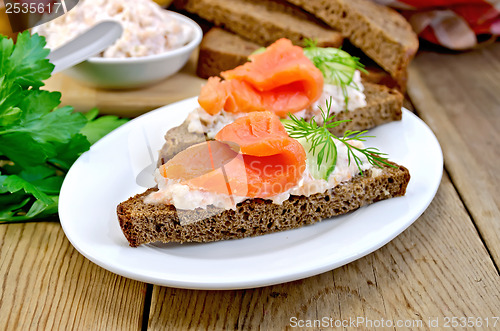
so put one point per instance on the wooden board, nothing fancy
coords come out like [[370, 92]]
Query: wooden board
[[459, 97], [47, 285], [427, 272], [128, 103]]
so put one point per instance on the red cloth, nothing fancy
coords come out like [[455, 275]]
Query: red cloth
[[454, 24]]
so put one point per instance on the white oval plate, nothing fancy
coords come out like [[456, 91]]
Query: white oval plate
[[112, 171]]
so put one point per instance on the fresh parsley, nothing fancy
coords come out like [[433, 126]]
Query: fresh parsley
[[321, 145], [38, 141]]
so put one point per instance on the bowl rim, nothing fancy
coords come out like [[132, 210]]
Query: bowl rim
[[196, 40]]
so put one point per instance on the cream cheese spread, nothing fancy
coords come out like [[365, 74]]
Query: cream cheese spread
[[202, 122], [355, 98], [183, 197]]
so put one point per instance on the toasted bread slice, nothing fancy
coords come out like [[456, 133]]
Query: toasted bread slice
[[380, 32], [383, 106], [263, 22], [143, 223], [221, 50]]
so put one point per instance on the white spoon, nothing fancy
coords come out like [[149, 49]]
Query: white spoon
[[90, 43]]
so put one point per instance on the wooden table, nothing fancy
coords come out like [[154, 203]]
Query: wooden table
[[445, 265]]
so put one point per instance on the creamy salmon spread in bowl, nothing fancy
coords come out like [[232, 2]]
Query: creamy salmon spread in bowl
[[155, 44]]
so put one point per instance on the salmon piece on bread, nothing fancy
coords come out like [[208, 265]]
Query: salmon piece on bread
[[251, 157], [281, 79]]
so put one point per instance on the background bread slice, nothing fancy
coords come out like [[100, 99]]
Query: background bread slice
[[221, 50], [261, 22], [380, 32], [383, 106], [145, 223]]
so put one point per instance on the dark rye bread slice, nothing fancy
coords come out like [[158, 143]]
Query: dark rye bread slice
[[261, 23], [221, 50], [147, 223], [383, 106], [380, 32]]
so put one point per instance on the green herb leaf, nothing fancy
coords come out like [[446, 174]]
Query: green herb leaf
[[40, 209], [101, 126], [337, 66], [258, 51], [6, 47], [11, 205], [27, 63], [38, 103], [42, 129], [38, 172], [10, 95], [67, 153], [23, 150], [14, 183], [322, 145], [91, 114], [38, 141]]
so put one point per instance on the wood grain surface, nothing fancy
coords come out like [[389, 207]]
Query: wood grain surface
[[458, 96], [47, 285], [436, 268]]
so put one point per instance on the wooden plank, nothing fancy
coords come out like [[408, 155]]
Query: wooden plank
[[438, 267], [458, 97], [47, 285], [128, 103]]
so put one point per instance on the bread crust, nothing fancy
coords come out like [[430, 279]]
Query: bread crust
[[143, 223], [262, 23], [380, 32]]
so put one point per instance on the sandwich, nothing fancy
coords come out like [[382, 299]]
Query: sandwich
[[277, 143], [260, 175], [269, 152], [285, 79], [222, 50]]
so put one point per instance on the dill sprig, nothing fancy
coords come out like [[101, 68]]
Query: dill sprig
[[336, 65], [322, 140]]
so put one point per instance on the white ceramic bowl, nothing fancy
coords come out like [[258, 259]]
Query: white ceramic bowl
[[121, 73]]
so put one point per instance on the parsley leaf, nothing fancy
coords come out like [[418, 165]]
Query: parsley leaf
[[95, 129], [28, 62], [38, 140], [23, 150]]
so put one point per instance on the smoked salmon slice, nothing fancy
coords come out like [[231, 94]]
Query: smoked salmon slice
[[252, 157], [281, 80]]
